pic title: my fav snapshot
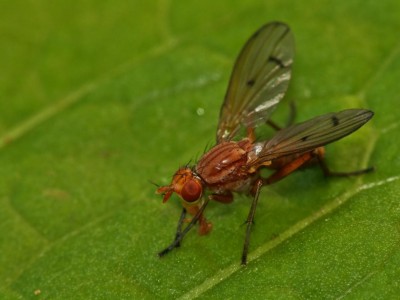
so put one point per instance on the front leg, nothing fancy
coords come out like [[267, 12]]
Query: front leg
[[204, 226], [179, 227], [180, 235]]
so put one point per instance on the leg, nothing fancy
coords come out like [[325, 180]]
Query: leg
[[204, 226], [328, 173], [179, 227], [291, 118], [292, 114], [278, 175], [274, 125], [182, 234], [250, 220], [288, 168]]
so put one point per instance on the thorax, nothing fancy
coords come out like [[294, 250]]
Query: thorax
[[223, 167]]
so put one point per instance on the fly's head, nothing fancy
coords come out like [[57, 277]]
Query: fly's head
[[186, 184]]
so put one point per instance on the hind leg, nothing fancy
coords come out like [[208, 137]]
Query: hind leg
[[319, 155]]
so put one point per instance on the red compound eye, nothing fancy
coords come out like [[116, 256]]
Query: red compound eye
[[191, 191]]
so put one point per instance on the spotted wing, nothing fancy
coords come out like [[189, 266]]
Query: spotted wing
[[311, 134], [259, 80]]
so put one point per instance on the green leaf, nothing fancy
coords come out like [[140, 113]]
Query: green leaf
[[99, 98]]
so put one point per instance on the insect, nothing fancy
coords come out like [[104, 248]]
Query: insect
[[258, 82]]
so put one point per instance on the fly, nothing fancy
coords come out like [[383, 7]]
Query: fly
[[258, 82]]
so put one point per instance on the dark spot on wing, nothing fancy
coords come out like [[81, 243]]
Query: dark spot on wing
[[304, 138], [251, 82], [335, 121], [276, 61]]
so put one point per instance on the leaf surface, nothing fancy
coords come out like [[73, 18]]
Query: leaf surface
[[97, 99]]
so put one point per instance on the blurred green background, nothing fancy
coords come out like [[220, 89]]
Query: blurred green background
[[97, 98]]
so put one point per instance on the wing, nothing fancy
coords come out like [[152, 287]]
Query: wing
[[311, 134], [259, 80]]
